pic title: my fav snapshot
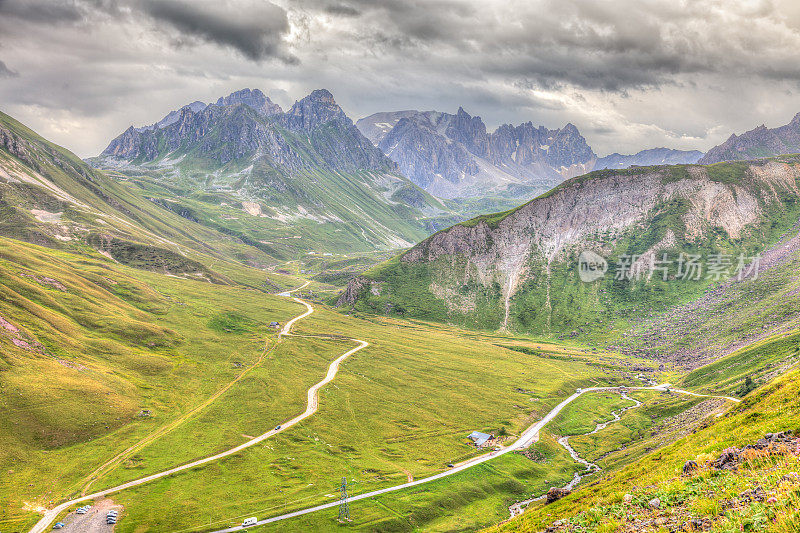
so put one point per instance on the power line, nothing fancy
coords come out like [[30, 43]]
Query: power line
[[344, 508]]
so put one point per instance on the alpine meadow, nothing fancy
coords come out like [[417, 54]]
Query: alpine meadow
[[435, 266]]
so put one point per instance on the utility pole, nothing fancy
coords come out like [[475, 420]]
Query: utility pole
[[344, 508]]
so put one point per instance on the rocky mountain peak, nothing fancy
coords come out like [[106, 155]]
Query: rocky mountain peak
[[315, 109], [758, 142], [247, 125], [570, 128], [453, 155], [253, 98]]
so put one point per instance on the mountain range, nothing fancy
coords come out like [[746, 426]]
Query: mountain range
[[453, 155], [758, 142], [306, 173], [140, 296]]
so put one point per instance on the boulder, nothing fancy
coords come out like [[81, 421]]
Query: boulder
[[556, 493]]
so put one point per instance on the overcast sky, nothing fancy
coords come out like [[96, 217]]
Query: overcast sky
[[630, 74]]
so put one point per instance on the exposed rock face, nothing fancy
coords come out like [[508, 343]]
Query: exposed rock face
[[253, 98], [578, 209], [498, 267], [351, 292], [653, 156], [317, 108], [172, 116], [555, 494], [759, 142], [453, 155], [245, 124]]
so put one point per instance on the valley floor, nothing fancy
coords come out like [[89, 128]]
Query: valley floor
[[394, 406]]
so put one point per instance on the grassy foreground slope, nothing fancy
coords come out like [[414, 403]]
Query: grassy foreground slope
[[710, 497], [388, 415], [95, 355]]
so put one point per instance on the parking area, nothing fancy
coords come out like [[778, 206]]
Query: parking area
[[94, 521]]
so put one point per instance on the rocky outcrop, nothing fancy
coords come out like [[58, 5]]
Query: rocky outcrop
[[352, 291], [317, 108], [555, 494], [758, 142], [252, 98]]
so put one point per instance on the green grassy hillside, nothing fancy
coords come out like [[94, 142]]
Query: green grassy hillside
[[519, 269], [98, 356], [95, 355], [715, 498]]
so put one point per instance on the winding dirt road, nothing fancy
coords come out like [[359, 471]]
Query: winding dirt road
[[311, 407]]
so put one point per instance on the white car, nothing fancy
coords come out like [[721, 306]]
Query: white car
[[250, 521], [81, 510]]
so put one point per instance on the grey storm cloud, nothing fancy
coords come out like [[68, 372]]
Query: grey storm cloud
[[42, 11], [613, 46], [255, 30], [631, 74]]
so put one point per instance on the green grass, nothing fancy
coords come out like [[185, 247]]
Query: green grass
[[582, 415], [115, 341], [771, 408], [133, 340]]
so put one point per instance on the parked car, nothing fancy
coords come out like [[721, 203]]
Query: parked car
[[58, 525], [250, 521], [450, 465], [81, 510]]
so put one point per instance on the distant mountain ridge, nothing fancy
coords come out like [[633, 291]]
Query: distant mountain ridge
[[646, 158], [758, 142], [453, 155]]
